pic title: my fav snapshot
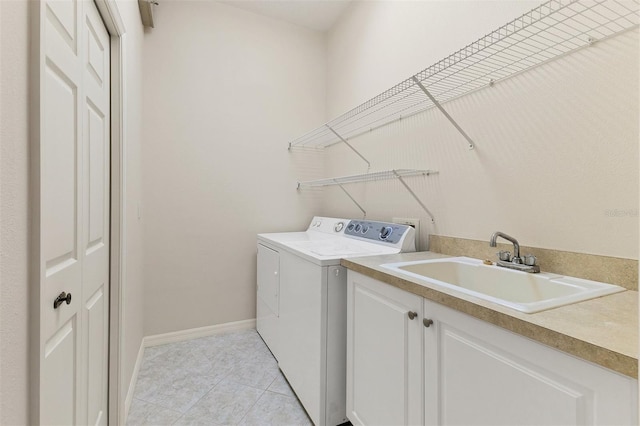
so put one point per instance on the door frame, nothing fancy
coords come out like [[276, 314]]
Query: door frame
[[110, 13]]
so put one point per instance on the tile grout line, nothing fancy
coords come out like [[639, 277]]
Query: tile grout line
[[286, 382], [260, 397], [196, 403], [182, 414], [217, 383], [253, 405], [209, 391], [263, 393], [157, 406], [191, 351]]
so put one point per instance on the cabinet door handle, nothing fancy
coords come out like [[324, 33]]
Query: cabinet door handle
[[427, 322], [412, 315]]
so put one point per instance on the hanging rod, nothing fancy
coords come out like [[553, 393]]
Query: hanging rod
[[547, 32]]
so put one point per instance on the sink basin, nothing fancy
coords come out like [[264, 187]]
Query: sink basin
[[522, 291]]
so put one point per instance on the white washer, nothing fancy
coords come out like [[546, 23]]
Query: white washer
[[302, 303]]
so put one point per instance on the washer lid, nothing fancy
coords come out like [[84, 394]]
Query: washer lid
[[338, 248]]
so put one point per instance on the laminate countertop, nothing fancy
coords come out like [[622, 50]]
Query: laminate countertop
[[602, 330]]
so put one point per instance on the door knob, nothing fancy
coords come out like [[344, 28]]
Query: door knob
[[427, 322], [412, 315], [62, 297]]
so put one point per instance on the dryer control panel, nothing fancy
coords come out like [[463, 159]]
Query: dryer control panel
[[391, 233]]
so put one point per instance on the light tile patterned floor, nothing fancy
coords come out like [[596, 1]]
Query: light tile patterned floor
[[228, 379]]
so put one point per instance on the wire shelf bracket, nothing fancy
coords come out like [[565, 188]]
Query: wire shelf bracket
[[443, 111], [415, 197], [364, 212], [350, 146]]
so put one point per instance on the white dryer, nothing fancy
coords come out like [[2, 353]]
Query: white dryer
[[302, 303]]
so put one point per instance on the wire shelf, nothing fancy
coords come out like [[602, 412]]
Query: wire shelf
[[543, 34], [366, 177]]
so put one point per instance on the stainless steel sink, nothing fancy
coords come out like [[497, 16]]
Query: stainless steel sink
[[518, 290]]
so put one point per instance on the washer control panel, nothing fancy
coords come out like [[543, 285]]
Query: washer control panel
[[378, 231], [328, 225]]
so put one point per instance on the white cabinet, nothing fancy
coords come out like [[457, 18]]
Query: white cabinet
[[384, 353], [268, 296], [468, 372], [478, 373]]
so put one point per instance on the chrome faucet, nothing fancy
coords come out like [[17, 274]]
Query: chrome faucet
[[516, 246], [526, 264]]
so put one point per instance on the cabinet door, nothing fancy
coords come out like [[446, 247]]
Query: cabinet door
[[267, 302], [384, 353], [480, 374]]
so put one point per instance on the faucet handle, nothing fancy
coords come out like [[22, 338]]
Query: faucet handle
[[529, 260], [504, 255]]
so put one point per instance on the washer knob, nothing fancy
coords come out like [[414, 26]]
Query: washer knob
[[358, 227], [338, 227]]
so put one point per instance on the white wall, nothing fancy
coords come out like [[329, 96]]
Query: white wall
[[14, 205], [377, 44], [224, 91], [557, 147], [14, 212], [132, 286]]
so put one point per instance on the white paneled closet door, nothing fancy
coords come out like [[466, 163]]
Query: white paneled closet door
[[74, 213]]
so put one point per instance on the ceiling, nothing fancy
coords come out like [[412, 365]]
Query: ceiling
[[319, 15]]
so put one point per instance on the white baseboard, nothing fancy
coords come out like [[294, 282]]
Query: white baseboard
[[194, 333], [134, 380]]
